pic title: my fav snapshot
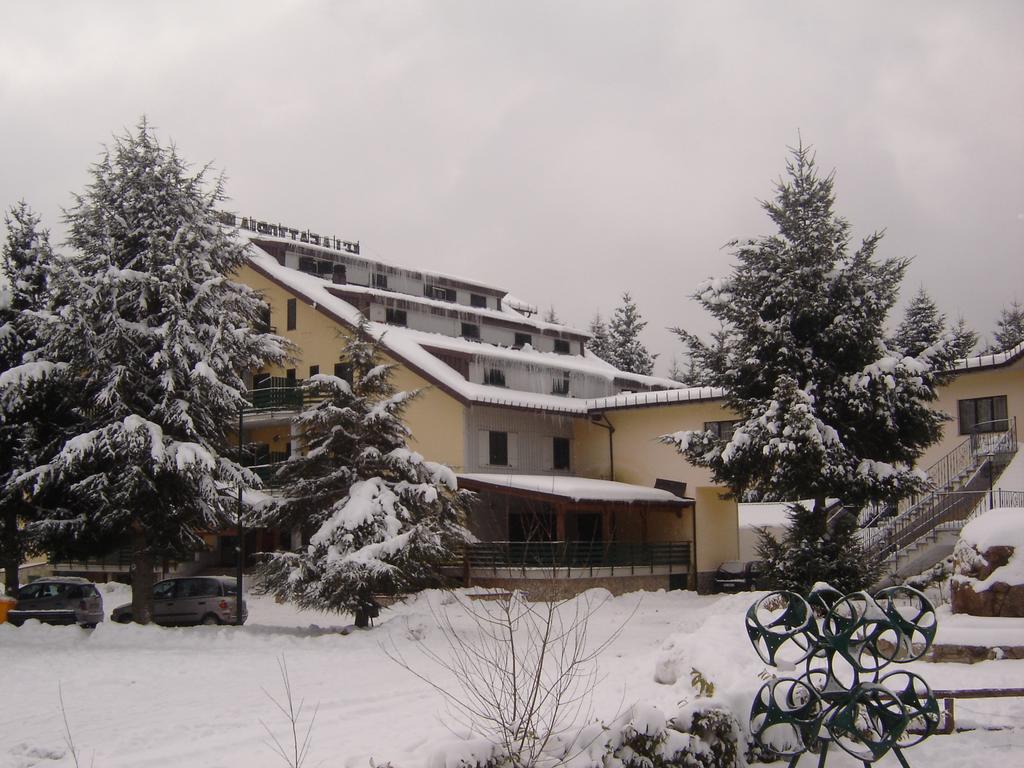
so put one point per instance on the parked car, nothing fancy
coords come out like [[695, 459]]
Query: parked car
[[190, 600], [58, 600], [738, 576]]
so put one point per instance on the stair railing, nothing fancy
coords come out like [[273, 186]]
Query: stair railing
[[920, 515]]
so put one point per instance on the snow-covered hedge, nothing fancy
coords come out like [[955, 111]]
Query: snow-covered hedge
[[703, 734]]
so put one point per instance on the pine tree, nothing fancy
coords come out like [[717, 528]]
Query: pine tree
[[923, 326], [383, 517], [599, 342], [807, 554], [33, 408], [826, 409], [962, 340], [707, 361], [1009, 328], [677, 373], [551, 316], [158, 337], [627, 351]]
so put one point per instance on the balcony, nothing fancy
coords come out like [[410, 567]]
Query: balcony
[[289, 397], [576, 559]]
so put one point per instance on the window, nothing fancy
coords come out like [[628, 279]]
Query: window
[[396, 317], [497, 452], [314, 370], [324, 268], [562, 346], [560, 452], [164, 590], [522, 339], [263, 325], [293, 306], [722, 429], [339, 275], [560, 386], [471, 331], [379, 280], [343, 371], [289, 377], [983, 414], [307, 265], [439, 293], [495, 377], [476, 300]]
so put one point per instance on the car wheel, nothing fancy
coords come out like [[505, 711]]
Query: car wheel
[[124, 618], [210, 620]]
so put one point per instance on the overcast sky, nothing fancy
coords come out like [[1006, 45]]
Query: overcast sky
[[563, 151]]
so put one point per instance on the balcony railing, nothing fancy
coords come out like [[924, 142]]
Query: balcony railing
[[578, 558], [276, 398]]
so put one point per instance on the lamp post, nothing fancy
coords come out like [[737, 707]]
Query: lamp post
[[239, 527]]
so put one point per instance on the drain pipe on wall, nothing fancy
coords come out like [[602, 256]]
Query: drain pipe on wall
[[596, 419]]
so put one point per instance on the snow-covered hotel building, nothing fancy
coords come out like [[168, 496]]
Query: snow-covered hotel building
[[560, 446]]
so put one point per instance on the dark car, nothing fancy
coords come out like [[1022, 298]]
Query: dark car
[[59, 600], [738, 576], [190, 600]]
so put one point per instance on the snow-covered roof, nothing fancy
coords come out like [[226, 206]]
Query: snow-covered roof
[[512, 302], [331, 252], [988, 361], [660, 397], [425, 301], [578, 488], [411, 347]]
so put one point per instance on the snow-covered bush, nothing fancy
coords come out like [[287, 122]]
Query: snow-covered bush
[[704, 734]]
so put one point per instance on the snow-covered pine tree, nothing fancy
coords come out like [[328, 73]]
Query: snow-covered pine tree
[[706, 361], [827, 411], [962, 340], [599, 342], [33, 410], [627, 351], [923, 326], [676, 372], [158, 336], [805, 557], [382, 517], [1009, 328]]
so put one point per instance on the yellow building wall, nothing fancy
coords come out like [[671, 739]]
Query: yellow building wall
[[987, 382], [639, 457], [718, 533], [437, 419]]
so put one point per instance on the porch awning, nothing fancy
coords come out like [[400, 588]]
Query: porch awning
[[578, 490]]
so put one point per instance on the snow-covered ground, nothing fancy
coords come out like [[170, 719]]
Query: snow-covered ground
[[151, 696]]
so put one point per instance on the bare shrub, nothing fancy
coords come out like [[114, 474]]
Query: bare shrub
[[524, 675], [295, 752]]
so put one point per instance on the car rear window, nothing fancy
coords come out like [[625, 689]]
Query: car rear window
[[229, 588]]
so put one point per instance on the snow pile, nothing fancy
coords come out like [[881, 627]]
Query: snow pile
[[996, 528]]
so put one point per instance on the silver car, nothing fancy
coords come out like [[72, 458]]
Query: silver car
[[190, 600], [59, 600]]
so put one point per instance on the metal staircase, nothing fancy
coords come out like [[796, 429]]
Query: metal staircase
[[922, 529]]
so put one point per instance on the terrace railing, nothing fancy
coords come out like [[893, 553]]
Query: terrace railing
[[614, 558]]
